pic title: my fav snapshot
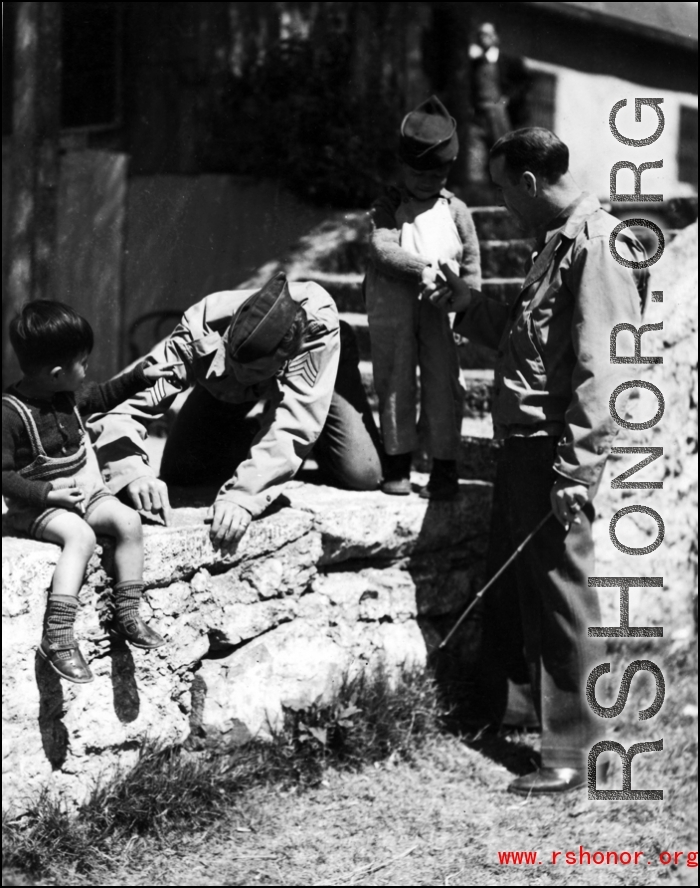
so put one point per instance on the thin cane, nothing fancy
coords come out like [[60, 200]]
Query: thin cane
[[493, 579]]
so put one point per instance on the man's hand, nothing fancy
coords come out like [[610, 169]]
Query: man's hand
[[568, 498], [454, 294], [228, 524], [148, 494]]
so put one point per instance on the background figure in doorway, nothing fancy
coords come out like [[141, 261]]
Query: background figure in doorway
[[499, 86]]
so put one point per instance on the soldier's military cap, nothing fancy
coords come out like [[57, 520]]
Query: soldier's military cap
[[428, 136], [262, 321]]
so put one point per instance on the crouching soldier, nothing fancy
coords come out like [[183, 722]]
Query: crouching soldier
[[281, 345]]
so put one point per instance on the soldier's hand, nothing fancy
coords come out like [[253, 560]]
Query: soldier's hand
[[568, 498], [454, 295], [149, 494], [229, 522]]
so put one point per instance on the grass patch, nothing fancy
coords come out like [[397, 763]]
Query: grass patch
[[172, 790]]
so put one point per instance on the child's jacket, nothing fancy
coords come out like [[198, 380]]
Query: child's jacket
[[410, 235]]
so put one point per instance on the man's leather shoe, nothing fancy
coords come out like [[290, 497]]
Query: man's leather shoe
[[549, 780], [137, 632], [68, 662]]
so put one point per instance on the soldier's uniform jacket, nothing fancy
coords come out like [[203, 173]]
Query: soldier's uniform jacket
[[554, 375], [299, 397]]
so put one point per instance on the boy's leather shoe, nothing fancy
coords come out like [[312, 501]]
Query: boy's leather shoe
[[443, 489], [397, 474], [549, 780], [397, 486], [444, 481], [68, 662], [137, 632]]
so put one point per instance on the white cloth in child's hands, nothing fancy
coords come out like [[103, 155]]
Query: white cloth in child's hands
[[429, 231]]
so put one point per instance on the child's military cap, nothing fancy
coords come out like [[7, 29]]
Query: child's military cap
[[428, 136], [262, 321]]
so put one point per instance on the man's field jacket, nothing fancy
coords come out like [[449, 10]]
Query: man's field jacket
[[299, 398], [554, 375]]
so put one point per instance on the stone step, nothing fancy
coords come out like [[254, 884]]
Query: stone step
[[477, 457], [505, 258], [341, 244], [471, 356], [346, 289], [494, 223], [477, 384]]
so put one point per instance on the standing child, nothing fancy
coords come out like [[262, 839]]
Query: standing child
[[416, 226], [51, 481]]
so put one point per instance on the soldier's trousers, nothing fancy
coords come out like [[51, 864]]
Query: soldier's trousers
[[210, 438], [536, 617]]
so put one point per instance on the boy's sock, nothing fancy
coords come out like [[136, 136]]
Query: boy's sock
[[127, 597], [60, 620], [129, 625]]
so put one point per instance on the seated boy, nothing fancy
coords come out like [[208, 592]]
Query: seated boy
[[51, 481]]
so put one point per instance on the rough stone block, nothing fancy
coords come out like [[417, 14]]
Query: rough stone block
[[372, 525]]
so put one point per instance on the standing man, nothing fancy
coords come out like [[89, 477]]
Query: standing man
[[499, 84], [553, 380], [282, 345]]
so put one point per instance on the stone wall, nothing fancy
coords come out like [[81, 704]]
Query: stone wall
[[328, 585], [673, 606]]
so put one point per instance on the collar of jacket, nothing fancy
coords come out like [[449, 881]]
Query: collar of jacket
[[218, 361], [574, 218], [405, 196], [478, 52]]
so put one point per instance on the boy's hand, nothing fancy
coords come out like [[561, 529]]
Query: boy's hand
[[428, 276], [153, 372], [455, 294], [67, 497], [427, 282]]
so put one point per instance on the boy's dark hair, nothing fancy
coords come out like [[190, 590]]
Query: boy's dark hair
[[47, 333], [532, 149]]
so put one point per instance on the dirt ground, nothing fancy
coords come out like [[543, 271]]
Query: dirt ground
[[443, 819], [440, 822]]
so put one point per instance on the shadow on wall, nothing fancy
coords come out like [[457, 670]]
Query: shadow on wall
[[188, 236], [52, 703]]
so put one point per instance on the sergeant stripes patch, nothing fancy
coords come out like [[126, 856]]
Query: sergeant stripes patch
[[304, 366], [159, 391]]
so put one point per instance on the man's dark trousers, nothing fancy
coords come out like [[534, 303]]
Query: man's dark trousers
[[536, 618], [210, 438]]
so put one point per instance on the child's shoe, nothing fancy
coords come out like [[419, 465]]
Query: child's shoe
[[127, 622], [136, 632], [397, 474], [58, 646], [444, 481], [68, 662]]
